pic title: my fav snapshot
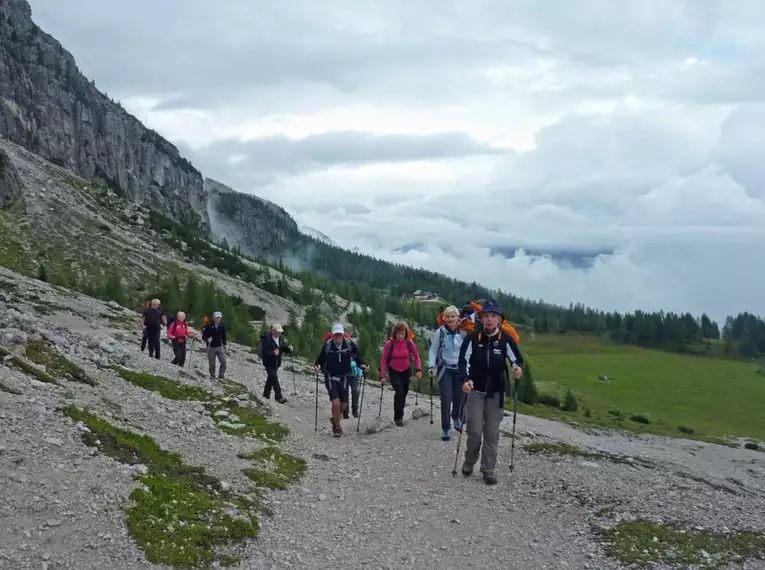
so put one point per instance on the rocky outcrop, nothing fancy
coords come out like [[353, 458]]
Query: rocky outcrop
[[10, 185], [257, 226], [50, 108]]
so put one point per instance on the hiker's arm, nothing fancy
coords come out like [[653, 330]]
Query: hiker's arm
[[434, 345], [513, 352], [321, 359], [223, 335], [466, 350], [171, 332], [284, 347]]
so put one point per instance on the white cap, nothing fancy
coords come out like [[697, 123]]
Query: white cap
[[277, 327], [217, 315], [338, 329]]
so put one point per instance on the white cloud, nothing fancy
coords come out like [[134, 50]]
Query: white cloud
[[629, 127]]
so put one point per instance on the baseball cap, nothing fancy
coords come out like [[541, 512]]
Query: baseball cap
[[217, 315], [277, 327], [338, 329]]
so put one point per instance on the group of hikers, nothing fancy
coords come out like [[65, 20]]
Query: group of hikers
[[468, 357], [179, 333]]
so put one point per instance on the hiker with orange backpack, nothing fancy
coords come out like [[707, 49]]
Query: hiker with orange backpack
[[443, 364], [483, 369], [395, 363]]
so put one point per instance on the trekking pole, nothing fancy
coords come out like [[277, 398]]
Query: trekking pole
[[512, 439], [316, 410], [361, 400], [294, 382], [463, 418], [382, 393], [431, 400]]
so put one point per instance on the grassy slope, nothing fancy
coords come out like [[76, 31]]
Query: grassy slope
[[716, 397]]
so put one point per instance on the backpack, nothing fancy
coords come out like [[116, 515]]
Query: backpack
[[469, 325], [409, 344], [261, 345]]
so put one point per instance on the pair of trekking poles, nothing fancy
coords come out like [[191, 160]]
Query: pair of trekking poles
[[464, 419]]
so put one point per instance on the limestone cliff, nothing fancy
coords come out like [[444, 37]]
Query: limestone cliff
[[256, 225], [50, 108]]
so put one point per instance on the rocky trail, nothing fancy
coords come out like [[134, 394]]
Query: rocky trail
[[368, 500]]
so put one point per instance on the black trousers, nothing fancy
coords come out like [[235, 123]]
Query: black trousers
[[400, 383], [272, 383], [152, 335], [179, 349]]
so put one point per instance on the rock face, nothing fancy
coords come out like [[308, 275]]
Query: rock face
[[50, 108], [10, 185], [258, 226]]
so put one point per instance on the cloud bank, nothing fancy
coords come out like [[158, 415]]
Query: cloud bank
[[605, 153]]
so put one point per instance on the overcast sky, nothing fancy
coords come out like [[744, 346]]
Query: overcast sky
[[636, 127]]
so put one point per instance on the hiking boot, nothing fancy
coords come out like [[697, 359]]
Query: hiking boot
[[267, 396], [489, 478], [346, 415], [337, 430], [467, 470], [355, 413], [399, 423], [221, 377], [282, 400], [445, 436], [458, 425]]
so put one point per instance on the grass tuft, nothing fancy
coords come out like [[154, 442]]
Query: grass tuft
[[167, 388], [573, 451], [25, 366], [275, 469], [179, 515], [55, 363], [644, 544]]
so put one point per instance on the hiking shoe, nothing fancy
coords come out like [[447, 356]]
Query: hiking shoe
[[346, 415], [355, 413], [458, 425], [445, 435], [399, 423], [337, 430], [221, 377], [282, 400], [490, 478], [467, 470]]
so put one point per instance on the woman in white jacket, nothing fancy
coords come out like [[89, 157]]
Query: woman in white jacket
[[443, 362]]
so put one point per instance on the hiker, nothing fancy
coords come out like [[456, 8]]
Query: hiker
[[354, 385], [395, 363], [443, 364], [272, 347], [214, 334], [483, 369], [178, 331], [335, 360], [144, 338], [152, 320]]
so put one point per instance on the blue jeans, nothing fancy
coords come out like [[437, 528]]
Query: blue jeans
[[451, 397]]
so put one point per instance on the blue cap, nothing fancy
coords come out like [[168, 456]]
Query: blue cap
[[491, 306]]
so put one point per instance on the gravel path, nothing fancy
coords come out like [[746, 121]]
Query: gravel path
[[381, 500]]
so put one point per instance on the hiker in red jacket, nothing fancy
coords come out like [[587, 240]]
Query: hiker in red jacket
[[396, 364], [178, 332]]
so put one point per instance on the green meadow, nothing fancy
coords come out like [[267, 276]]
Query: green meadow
[[714, 398]]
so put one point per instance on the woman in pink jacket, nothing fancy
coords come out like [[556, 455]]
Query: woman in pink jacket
[[395, 364], [178, 332]]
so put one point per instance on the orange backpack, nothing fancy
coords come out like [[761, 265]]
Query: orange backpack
[[469, 326]]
